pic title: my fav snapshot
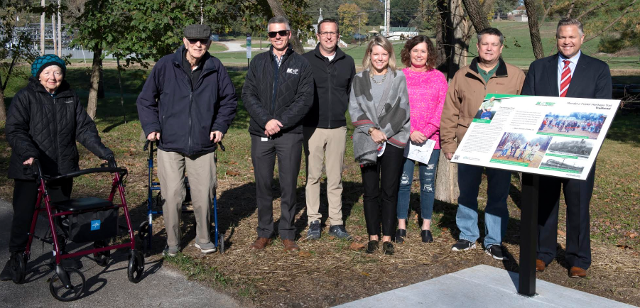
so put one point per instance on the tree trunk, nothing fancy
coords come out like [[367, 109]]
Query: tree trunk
[[447, 189], [3, 110], [443, 42], [277, 10], [92, 106], [534, 29], [458, 39], [476, 15]]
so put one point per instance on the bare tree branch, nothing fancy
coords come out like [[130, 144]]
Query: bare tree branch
[[589, 10], [573, 3], [546, 12]]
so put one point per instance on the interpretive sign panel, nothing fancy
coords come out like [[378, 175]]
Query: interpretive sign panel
[[557, 136]]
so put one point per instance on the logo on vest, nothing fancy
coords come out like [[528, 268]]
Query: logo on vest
[[292, 71]]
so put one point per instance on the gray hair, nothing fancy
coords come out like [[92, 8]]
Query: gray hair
[[491, 31], [569, 22], [279, 20]]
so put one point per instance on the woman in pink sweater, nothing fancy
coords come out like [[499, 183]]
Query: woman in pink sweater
[[427, 90]]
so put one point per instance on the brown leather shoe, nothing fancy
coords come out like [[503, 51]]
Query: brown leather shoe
[[261, 243], [290, 245], [576, 272], [540, 266]]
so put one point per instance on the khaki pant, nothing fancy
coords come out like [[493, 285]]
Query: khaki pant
[[202, 181], [326, 146]]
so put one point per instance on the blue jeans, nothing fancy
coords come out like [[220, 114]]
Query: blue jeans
[[496, 213], [427, 186]]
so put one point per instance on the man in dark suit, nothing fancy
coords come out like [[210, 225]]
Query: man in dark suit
[[569, 73]]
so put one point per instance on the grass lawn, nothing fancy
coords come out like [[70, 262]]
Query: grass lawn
[[344, 272]]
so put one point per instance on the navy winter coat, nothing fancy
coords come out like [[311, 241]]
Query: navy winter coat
[[185, 115], [41, 126]]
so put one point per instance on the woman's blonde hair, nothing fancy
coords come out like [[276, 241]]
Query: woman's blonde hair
[[386, 45]]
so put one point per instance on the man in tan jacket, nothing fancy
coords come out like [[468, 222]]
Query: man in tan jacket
[[488, 73]]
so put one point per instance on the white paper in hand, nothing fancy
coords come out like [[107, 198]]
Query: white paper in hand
[[420, 151]]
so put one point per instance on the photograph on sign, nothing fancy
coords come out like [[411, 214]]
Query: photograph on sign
[[574, 124], [524, 150]]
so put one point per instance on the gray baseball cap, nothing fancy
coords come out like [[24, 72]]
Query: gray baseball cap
[[197, 32]]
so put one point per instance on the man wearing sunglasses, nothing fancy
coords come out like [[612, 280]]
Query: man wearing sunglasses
[[277, 93], [187, 105], [325, 128]]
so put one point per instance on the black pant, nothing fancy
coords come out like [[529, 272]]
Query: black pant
[[25, 195], [288, 149], [577, 195], [383, 178]]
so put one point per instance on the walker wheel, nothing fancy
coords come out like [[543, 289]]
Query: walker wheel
[[70, 292], [18, 268], [136, 266], [101, 258]]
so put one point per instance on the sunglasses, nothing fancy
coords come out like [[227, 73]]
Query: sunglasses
[[281, 33], [202, 41]]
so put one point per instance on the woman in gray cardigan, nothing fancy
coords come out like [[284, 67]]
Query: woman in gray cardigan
[[379, 109]]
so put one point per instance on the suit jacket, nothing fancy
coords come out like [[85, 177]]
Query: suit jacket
[[591, 79]]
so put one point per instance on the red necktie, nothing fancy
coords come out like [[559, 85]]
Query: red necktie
[[565, 79]]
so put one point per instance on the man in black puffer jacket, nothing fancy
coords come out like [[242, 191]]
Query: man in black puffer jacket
[[44, 121], [277, 93]]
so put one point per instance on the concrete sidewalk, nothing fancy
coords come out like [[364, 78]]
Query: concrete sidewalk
[[482, 286], [105, 286]]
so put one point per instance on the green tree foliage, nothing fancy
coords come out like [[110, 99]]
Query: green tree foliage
[[373, 8], [14, 46], [256, 13], [404, 12], [351, 18]]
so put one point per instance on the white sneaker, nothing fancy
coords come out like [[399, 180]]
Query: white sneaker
[[206, 248]]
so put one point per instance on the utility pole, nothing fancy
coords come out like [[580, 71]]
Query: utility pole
[[59, 31], [53, 33], [42, 29], [387, 14]]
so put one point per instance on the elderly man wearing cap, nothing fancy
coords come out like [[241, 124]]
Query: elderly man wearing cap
[[187, 105], [44, 121]]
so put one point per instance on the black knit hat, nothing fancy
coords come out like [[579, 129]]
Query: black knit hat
[[42, 62], [197, 32]]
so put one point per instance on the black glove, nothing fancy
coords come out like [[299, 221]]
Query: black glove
[[111, 162]]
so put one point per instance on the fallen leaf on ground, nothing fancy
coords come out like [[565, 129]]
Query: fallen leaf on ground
[[232, 173], [356, 246], [304, 254], [366, 274], [562, 233]]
